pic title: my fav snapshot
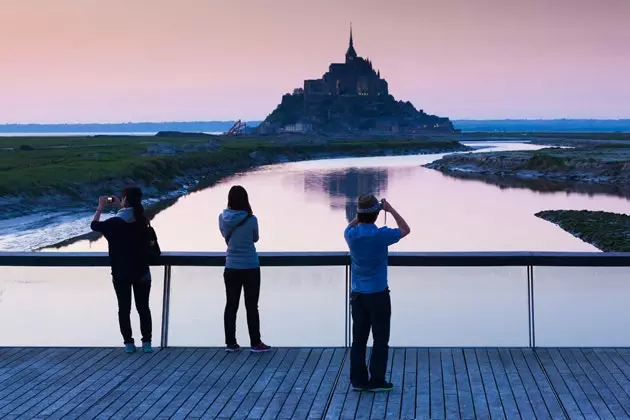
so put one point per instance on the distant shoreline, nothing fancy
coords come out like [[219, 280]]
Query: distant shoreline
[[465, 125]]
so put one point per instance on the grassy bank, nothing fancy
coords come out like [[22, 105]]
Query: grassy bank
[[609, 232], [42, 170]]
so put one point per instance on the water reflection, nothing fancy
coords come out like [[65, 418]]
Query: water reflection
[[344, 187]]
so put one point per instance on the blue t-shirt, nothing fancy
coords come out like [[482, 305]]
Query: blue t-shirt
[[368, 252]]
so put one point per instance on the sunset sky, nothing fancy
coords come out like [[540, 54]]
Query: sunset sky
[[184, 60]]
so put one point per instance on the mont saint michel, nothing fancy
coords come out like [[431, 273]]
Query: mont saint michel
[[351, 97]]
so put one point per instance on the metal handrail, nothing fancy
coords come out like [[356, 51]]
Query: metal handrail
[[530, 260], [294, 259]]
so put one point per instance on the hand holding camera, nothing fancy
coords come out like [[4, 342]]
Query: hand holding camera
[[105, 200]]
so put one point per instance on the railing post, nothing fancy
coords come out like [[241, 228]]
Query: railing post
[[166, 303], [348, 304], [530, 306]]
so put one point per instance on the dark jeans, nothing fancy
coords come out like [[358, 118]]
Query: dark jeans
[[370, 311], [141, 290], [249, 281]]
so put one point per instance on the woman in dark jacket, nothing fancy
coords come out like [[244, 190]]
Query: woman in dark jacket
[[127, 235]]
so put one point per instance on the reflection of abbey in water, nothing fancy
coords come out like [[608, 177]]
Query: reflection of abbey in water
[[349, 185]]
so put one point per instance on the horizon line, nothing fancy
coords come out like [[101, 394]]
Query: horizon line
[[261, 120]]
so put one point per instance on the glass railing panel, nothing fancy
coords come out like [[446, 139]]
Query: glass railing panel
[[459, 306], [582, 306], [67, 306], [298, 306]]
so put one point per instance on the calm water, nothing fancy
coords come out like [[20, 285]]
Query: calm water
[[305, 207]]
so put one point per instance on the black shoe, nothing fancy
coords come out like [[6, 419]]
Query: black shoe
[[360, 387], [232, 348], [383, 387]]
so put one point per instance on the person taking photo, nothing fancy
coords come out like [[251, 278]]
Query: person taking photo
[[369, 297]]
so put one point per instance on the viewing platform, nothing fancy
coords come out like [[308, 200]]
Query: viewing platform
[[300, 383], [474, 335]]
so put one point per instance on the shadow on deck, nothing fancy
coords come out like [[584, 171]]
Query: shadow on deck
[[312, 383]]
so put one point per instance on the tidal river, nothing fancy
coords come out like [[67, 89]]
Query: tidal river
[[304, 207]]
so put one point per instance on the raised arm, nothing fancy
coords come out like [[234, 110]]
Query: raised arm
[[402, 224], [96, 224]]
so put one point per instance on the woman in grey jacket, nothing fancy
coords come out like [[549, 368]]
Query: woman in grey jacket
[[239, 227]]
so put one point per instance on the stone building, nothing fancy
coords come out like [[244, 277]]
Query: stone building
[[350, 99], [354, 77]]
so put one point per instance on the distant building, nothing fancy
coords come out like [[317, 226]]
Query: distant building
[[350, 98], [354, 77]]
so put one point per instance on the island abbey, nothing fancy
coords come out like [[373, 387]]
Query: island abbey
[[354, 77], [351, 98]]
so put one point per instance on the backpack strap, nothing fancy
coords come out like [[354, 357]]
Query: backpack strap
[[241, 223]]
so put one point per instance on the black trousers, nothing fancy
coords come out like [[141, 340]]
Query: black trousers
[[141, 290], [370, 311], [235, 281]]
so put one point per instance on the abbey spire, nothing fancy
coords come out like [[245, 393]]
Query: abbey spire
[[351, 54]]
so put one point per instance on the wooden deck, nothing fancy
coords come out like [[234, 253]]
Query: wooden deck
[[176, 383]]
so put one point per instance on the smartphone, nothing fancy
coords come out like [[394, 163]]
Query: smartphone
[[110, 199]]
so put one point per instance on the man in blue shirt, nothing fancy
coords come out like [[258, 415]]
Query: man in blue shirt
[[371, 304]]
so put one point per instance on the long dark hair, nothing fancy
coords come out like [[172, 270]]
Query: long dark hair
[[134, 200], [238, 199]]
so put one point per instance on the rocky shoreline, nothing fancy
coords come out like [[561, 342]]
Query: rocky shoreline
[[609, 232], [592, 170]]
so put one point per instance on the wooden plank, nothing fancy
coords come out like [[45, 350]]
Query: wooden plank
[[49, 387], [423, 385], [573, 385], [119, 395], [265, 378], [451, 402], [155, 398], [282, 392], [138, 387], [297, 383], [558, 383], [57, 393], [394, 397], [204, 383], [185, 385], [290, 403], [409, 386], [536, 399], [328, 382], [25, 374], [84, 395], [340, 390], [505, 390], [523, 402], [594, 396], [9, 356], [312, 387], [613, 395], [233, 395], [280, 376], [437, 402], [366, 399], [491, 388], [12, 394], [478, 393], [600, 359], [379, 405], [25, 366], [464, 391], [243, 363]]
